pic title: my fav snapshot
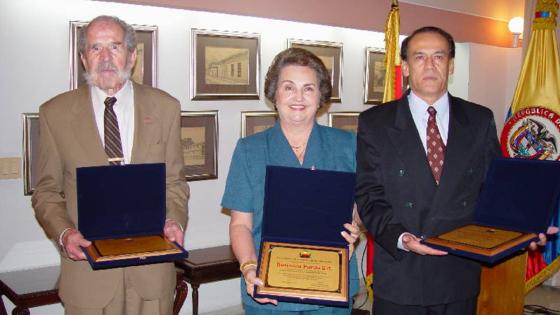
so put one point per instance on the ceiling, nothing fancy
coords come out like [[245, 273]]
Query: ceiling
[[497, 9]]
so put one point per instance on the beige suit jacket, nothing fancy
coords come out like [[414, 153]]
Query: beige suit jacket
[[69, 139]]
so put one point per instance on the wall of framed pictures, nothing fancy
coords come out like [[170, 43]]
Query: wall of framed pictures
[[41, 66]]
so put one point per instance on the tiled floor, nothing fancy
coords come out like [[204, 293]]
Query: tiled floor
[[537, 301], [545, 296], [541, 296]]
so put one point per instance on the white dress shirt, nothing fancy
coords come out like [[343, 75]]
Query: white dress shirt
[[420, 115], [124, 109]]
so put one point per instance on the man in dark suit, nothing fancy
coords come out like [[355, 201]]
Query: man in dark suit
[[74, 134], [421, 162], [403, 194]]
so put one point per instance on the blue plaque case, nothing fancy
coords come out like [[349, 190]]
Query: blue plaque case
[[117, 202], [307, 207], [518, 195]]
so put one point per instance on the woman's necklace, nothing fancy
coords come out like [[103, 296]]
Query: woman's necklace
[[299, 151]]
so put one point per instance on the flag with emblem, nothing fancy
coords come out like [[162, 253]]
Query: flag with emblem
[[533, 129]]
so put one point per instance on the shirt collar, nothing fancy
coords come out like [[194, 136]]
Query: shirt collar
[[419, 107], [283, 155], [124, 93]]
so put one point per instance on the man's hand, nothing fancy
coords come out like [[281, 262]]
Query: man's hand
[[542, 237], [412, 243], [71, 241], [173, 232]]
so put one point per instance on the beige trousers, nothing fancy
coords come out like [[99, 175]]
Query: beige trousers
[[126, 302]]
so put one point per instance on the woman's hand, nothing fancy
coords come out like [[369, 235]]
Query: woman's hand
[[250, 277], [240, 228], [351, 235]]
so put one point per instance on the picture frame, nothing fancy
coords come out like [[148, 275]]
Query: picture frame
[[199, 140], [374, 79], [344, 120], [256, 121], [331, 55], [224, 65], [145, 69], [30, 151]]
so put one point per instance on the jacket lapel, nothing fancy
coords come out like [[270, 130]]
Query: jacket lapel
[[458, 136], [404, 137], [146, 122], [280, 151], [85, 129], [456, 159]]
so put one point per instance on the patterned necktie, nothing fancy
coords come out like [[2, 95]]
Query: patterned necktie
[[435, 146], [113, 146]]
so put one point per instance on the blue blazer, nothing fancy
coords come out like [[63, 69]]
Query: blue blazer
[[327, 149]]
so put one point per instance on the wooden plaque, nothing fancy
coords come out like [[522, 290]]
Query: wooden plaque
[[304, 272], [133, 247], [481, 240]]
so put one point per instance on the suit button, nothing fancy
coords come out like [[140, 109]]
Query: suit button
[[464, 203], [470, 171], [401, 173], [409, 204]]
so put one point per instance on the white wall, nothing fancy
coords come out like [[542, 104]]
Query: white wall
[[34, 67], [493, 73], [458, 81], [486, 75]]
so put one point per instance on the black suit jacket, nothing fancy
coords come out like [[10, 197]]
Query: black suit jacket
[[397, 193]]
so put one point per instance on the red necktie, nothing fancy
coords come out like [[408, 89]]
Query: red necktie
[[435, 146], [113, 147]]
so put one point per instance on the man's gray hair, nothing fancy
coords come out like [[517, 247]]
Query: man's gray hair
[[129, 33]]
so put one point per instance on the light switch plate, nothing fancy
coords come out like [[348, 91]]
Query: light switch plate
[[10, 168]]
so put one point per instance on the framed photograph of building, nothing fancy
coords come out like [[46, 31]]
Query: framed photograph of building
[[145, 68], [344, 120], [374, 80], [199, 139], [30, 151], [225, 65], [253, 122], [331, 55]]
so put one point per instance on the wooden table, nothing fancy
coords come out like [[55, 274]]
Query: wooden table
[[29, 288], [203, 266], [209, 265]]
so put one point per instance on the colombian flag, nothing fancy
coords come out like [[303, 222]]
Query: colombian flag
[[539, 86]]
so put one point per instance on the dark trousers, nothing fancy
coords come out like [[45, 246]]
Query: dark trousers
[[384, 307]]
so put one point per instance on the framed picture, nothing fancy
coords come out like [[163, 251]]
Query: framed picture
[[145, 69], [225, 65], [199, 139], [331, 55], [253, 122], [30, 151], [344, 120], [374, 81]]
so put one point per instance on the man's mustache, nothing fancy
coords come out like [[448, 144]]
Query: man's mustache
[[106, 66]]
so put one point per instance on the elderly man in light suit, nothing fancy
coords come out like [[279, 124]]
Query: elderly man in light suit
[[72, 135]]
